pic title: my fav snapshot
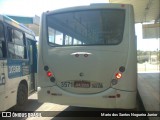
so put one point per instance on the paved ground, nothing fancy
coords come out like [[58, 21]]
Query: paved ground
[[149, 90]]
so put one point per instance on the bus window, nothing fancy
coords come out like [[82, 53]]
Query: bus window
[[55, 37], [100, 27], [59, 38], [1, 40], [18, 37], [51, 35], [76, 42], [68, 40], [16, 44]]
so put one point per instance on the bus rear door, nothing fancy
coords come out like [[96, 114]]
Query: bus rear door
[[33, 62]]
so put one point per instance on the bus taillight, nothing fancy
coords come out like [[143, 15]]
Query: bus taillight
[[118, 75], [49, 74]]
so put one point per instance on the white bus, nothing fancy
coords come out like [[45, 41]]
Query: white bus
[[87, 57], [17, 63]]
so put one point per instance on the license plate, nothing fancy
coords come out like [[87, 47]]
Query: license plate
[[81, 84]]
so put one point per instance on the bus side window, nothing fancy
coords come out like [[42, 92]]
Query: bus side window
[[10, 44], [68, 40], [55, 37], [1, 41], [16, 44]]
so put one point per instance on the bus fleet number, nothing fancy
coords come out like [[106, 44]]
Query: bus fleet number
[[66, 84], [14, 69]]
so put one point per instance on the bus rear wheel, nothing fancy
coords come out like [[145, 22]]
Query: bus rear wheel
[[22, 94]]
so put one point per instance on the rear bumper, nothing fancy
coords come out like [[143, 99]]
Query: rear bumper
[[110, 98]]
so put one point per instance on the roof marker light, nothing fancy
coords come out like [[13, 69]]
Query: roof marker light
[[122, 5]]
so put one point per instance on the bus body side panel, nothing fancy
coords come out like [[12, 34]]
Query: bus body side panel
[[13, 78], [130, 73], [130, 82], [2, 85], [100, 100]]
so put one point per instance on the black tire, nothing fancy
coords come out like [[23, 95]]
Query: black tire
[[22, 95]]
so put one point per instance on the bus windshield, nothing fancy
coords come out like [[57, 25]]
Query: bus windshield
[[86, 27]]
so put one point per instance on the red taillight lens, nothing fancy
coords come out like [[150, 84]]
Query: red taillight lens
[[49, 74], [118, 75]]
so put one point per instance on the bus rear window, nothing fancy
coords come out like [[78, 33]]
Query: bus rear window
[[89, 27]]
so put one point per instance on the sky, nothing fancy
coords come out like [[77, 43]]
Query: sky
[[30, 8], [36, 7]]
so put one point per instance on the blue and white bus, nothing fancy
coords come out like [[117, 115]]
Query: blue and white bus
[[18, 63]]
